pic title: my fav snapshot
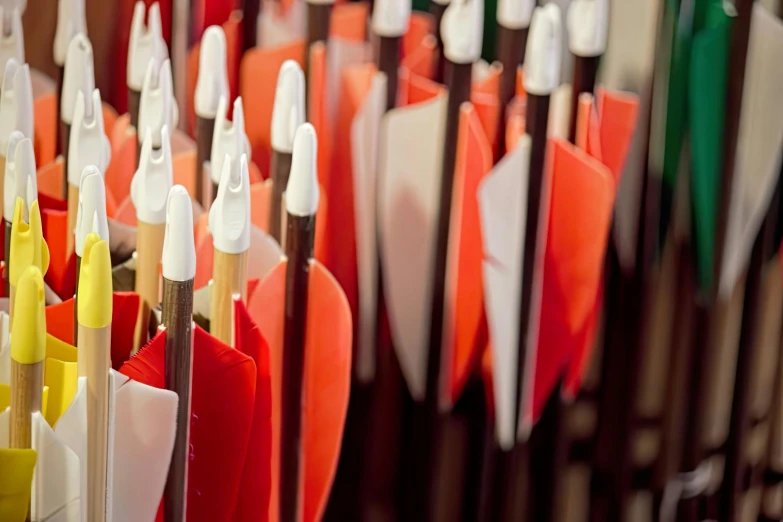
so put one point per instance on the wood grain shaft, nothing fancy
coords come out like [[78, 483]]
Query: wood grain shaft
[[204, 129], [94, 362], [229, 276], [73, 209], [280, 170], [585, 71], [178, 320], [301, 233], [76, 302], [149, 249], [26, 396]]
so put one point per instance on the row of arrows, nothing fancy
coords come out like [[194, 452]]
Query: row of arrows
[[333, 265]]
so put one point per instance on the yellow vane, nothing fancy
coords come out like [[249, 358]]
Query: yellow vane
[[28, 331], [28, 246], [95, 287]]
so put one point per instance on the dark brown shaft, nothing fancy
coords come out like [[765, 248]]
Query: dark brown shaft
[[178, 319], [319, 17], [437, 10], [65, 137], [388, 63], [693, 451], [134, 102], [740, 421], [536, 126], [426, 420], [205, 127], [510, 53], [7, 246], [300, 234], [280, 170], [585, 71], [250, 11], [58, 103]]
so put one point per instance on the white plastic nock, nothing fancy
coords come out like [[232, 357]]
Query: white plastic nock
[[77, 76], [515, 14], [543, 53], [20, 175], [144, 46], [442, 2], [71, 20], [91, 215], [228, 138], [12, 40], [390, 17], [88, 143], [462, 29], [212, 80], [179, 250], [229, 216], [588, 27], [288, 111], [152, 181], [157, 106], [16, 103], [302, 192]]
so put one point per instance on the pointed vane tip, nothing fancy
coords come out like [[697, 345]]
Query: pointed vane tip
[[289, 106], [157, 106], [153, 180], [95, 284], [20, 175], [78, 76], [212, 80], [588, 25], [515, 14], [16, 102], [88, 144], [228, 138], [390, 17], [462, 30], [302, 192], [12, 46], [71, 20], [543, 53], [28, 246], [92, 206], [229, 216], [28, 339], [144, 46], [179, 250]]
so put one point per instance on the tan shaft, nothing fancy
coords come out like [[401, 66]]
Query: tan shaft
[[229, 276], [73, 208], [94, 361], [149, 249], [26, 397]]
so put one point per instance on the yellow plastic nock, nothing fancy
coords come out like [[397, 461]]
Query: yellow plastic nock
[[28, 331], [95, 287], [28, 246]]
